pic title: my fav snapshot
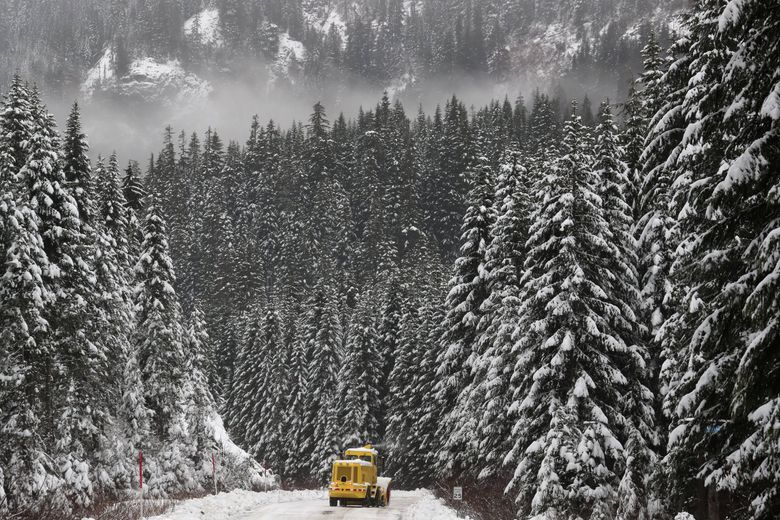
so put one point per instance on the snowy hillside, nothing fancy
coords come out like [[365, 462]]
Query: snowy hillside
[[157, 50], [148, 79]]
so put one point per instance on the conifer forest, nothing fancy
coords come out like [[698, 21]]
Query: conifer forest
[[566, 304]]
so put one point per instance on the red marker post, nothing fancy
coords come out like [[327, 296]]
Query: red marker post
[[141, 469], [141, 479], [214, 470]]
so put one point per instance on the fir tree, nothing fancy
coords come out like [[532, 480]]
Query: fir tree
[[76, 317], [323, 335], [568, 375], [159, 333], [133, 187], [201, 412], [26, 355], [639, 434], [458, 353], [504, 258], [359, 396], [728, 215], [268, 400]]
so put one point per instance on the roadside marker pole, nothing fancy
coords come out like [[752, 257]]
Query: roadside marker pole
[[214, 470], [141, 479]]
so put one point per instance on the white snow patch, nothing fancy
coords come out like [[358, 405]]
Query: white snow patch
[[367, 451], [291, 52], [677, 434], [154, 80], [429, 508], [334, 20], [236, 504], [771, 106], [353, 461], [223, 439], [400, 85], [208, 21], [290, 47], [102, 72]]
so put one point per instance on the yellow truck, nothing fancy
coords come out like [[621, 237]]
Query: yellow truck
[[355, 480]]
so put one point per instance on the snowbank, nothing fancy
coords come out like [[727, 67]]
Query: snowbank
[[235, 504], [428, 508], [240, 504]]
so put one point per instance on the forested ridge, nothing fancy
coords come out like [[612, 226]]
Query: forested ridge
[[576, 308], [376, 41]]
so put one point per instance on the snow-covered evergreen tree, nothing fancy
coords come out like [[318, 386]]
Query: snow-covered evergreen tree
[[298, 378], [639, 436], [321, 413], [458, 354], [504, 260], [26, 354], [569, 379], [240, 395], [269, 401], [75, 315], [728, 223], [159, 340], [202, 411], [359, 400]]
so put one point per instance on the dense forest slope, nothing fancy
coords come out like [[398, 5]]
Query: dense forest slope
[[169, 49]]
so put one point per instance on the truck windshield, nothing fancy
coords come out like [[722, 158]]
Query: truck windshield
[[366, 458]]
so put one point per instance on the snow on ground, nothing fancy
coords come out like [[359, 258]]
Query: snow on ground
[[170, 78], [429, 508], [236, 504], [247, 505], [208, 21], [334, 20], [157, 80]]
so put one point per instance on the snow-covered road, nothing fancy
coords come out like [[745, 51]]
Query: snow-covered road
[[306, 505], [311, 509]]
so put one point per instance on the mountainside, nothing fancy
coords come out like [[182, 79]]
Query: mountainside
[[176, 50]]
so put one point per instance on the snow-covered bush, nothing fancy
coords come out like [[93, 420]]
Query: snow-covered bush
[[236, 469]]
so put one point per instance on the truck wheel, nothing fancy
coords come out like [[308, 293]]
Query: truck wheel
[[334, 502]]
